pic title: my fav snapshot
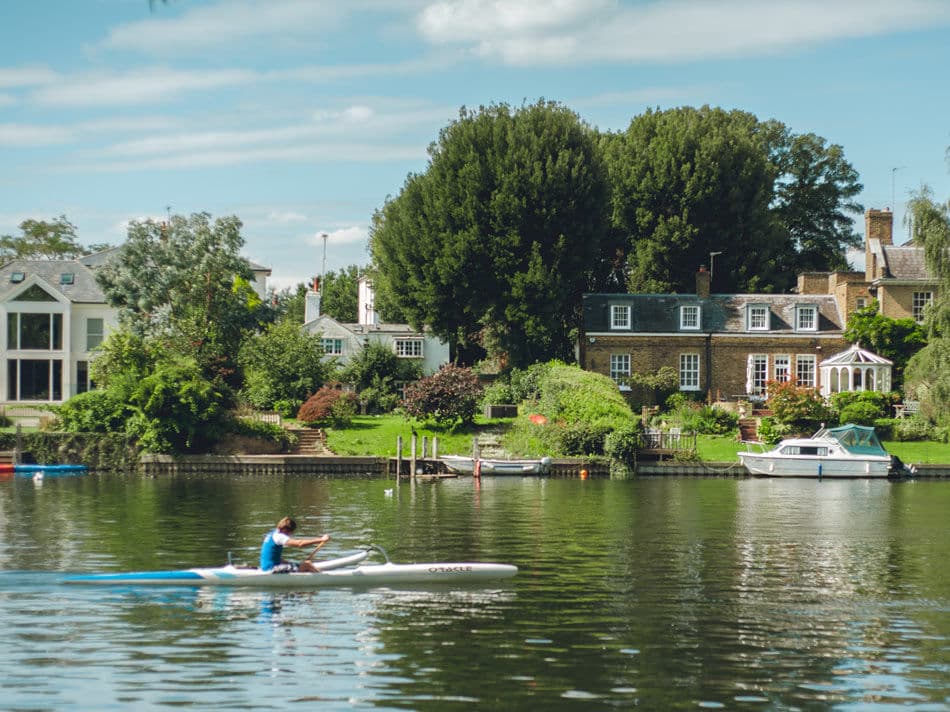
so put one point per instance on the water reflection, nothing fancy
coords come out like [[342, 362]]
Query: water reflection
[[661, 593]]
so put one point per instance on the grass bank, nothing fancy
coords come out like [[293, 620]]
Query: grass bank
[[376, 435]]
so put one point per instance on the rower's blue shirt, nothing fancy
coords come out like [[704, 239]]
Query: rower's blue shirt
[[272, 550]]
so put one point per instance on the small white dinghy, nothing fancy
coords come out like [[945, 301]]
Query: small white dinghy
[[346, 570]]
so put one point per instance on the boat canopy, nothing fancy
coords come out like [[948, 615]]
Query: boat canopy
[[856, 439]]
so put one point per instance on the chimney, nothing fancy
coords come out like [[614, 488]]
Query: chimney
[[366, 303], [311, 309], [879, 225], [702, 283]]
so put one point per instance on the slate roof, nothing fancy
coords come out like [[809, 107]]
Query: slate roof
[[906, 262], [83, 289], [719, 313]]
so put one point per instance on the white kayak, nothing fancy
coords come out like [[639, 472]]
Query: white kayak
[[343, 571]]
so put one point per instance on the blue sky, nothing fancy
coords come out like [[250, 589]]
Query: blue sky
[[302, 116]]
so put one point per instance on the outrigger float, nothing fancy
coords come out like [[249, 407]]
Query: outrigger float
[[348, 570]]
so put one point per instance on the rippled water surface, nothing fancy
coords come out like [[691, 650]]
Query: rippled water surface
[[661, 594]]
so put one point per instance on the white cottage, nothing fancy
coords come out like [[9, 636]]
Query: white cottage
[[855, 369], [344, 341]]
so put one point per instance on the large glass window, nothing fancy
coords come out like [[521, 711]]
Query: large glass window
[[35, 379], [619, 317], [758, 374], [689, 372], [620, 368], [805, 370], [39, 332]]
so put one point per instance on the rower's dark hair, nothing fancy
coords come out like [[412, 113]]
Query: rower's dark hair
[[287, 523]]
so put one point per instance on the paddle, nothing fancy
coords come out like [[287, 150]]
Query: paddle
[[313, 553]]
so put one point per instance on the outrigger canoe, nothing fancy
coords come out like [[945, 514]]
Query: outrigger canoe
[[346, 570], [31, 469]]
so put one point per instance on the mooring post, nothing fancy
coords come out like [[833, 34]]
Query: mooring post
[[398, 456], [412, 456], [435, 447], [425, 446]]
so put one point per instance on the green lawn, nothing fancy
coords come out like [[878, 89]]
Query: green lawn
[[376, 435]]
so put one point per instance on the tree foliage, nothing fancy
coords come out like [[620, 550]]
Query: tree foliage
[[185, 281], [42, 240], [930, 229], [339, 294], [801, 408], [687, 182], [894, 339], [282, 367], [495, 242], [328, 406], [378, 374]]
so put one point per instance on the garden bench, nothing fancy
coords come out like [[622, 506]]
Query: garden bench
[[902, 410]]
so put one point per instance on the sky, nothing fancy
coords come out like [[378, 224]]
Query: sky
[[302, 116]]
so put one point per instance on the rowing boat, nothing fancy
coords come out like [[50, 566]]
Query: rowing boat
[[349, 570]]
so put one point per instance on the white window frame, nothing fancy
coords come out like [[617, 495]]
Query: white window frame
[[860, 302], [689, 371], [408, 348], [332, 347], [619, 316], [757, 374], [806, 366], [806, 318], [620, 370], [758, 317], [690, 317], [920, 302], [781, 367], [95, 332]]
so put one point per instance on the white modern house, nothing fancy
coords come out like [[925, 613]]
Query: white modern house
[[54, 315], [343, 341]]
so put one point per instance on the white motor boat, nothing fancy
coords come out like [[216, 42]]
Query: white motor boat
[[348, 570], [846, 451]]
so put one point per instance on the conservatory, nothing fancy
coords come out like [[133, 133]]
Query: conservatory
[[855, 369]]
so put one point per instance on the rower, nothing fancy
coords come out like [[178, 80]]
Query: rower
[[273, 548]]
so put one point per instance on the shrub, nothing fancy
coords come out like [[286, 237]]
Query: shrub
[[802, 409], [706, 419], [525, 383], [915, 428], [325, 407], [94, 411], [860, 413], [881, 402], [582, 439], [622, 444], [447, 397], [497, 393], [771, 431]]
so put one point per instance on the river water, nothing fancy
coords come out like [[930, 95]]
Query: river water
[[662, 594]]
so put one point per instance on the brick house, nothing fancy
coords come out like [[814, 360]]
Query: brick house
[[727, 346], [723, 346]]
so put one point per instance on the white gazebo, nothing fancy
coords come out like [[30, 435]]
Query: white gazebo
[[855, 370]]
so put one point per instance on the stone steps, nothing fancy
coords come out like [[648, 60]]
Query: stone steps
[[310, 441]]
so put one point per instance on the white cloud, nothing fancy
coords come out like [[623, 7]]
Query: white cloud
[[286, 217], [26, 76], [145, 86], [20, 135], [356, 234], [225, 24], [528, 33]]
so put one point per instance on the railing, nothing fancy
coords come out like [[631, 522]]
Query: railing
[[263, 417], [672, 440]]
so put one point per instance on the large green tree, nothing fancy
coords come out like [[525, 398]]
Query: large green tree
[[339, 294], [495, 242], [689, 182], [185, 281], [894, 339], [44, 240]]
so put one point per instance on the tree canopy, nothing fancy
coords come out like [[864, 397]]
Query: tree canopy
[[495, 242], [688, 182], [44, 240]]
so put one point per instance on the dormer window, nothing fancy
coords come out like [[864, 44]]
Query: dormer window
[[757, 317], [67, 278], [806, 318], [17, 277], [689, 317], [619, 316]]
